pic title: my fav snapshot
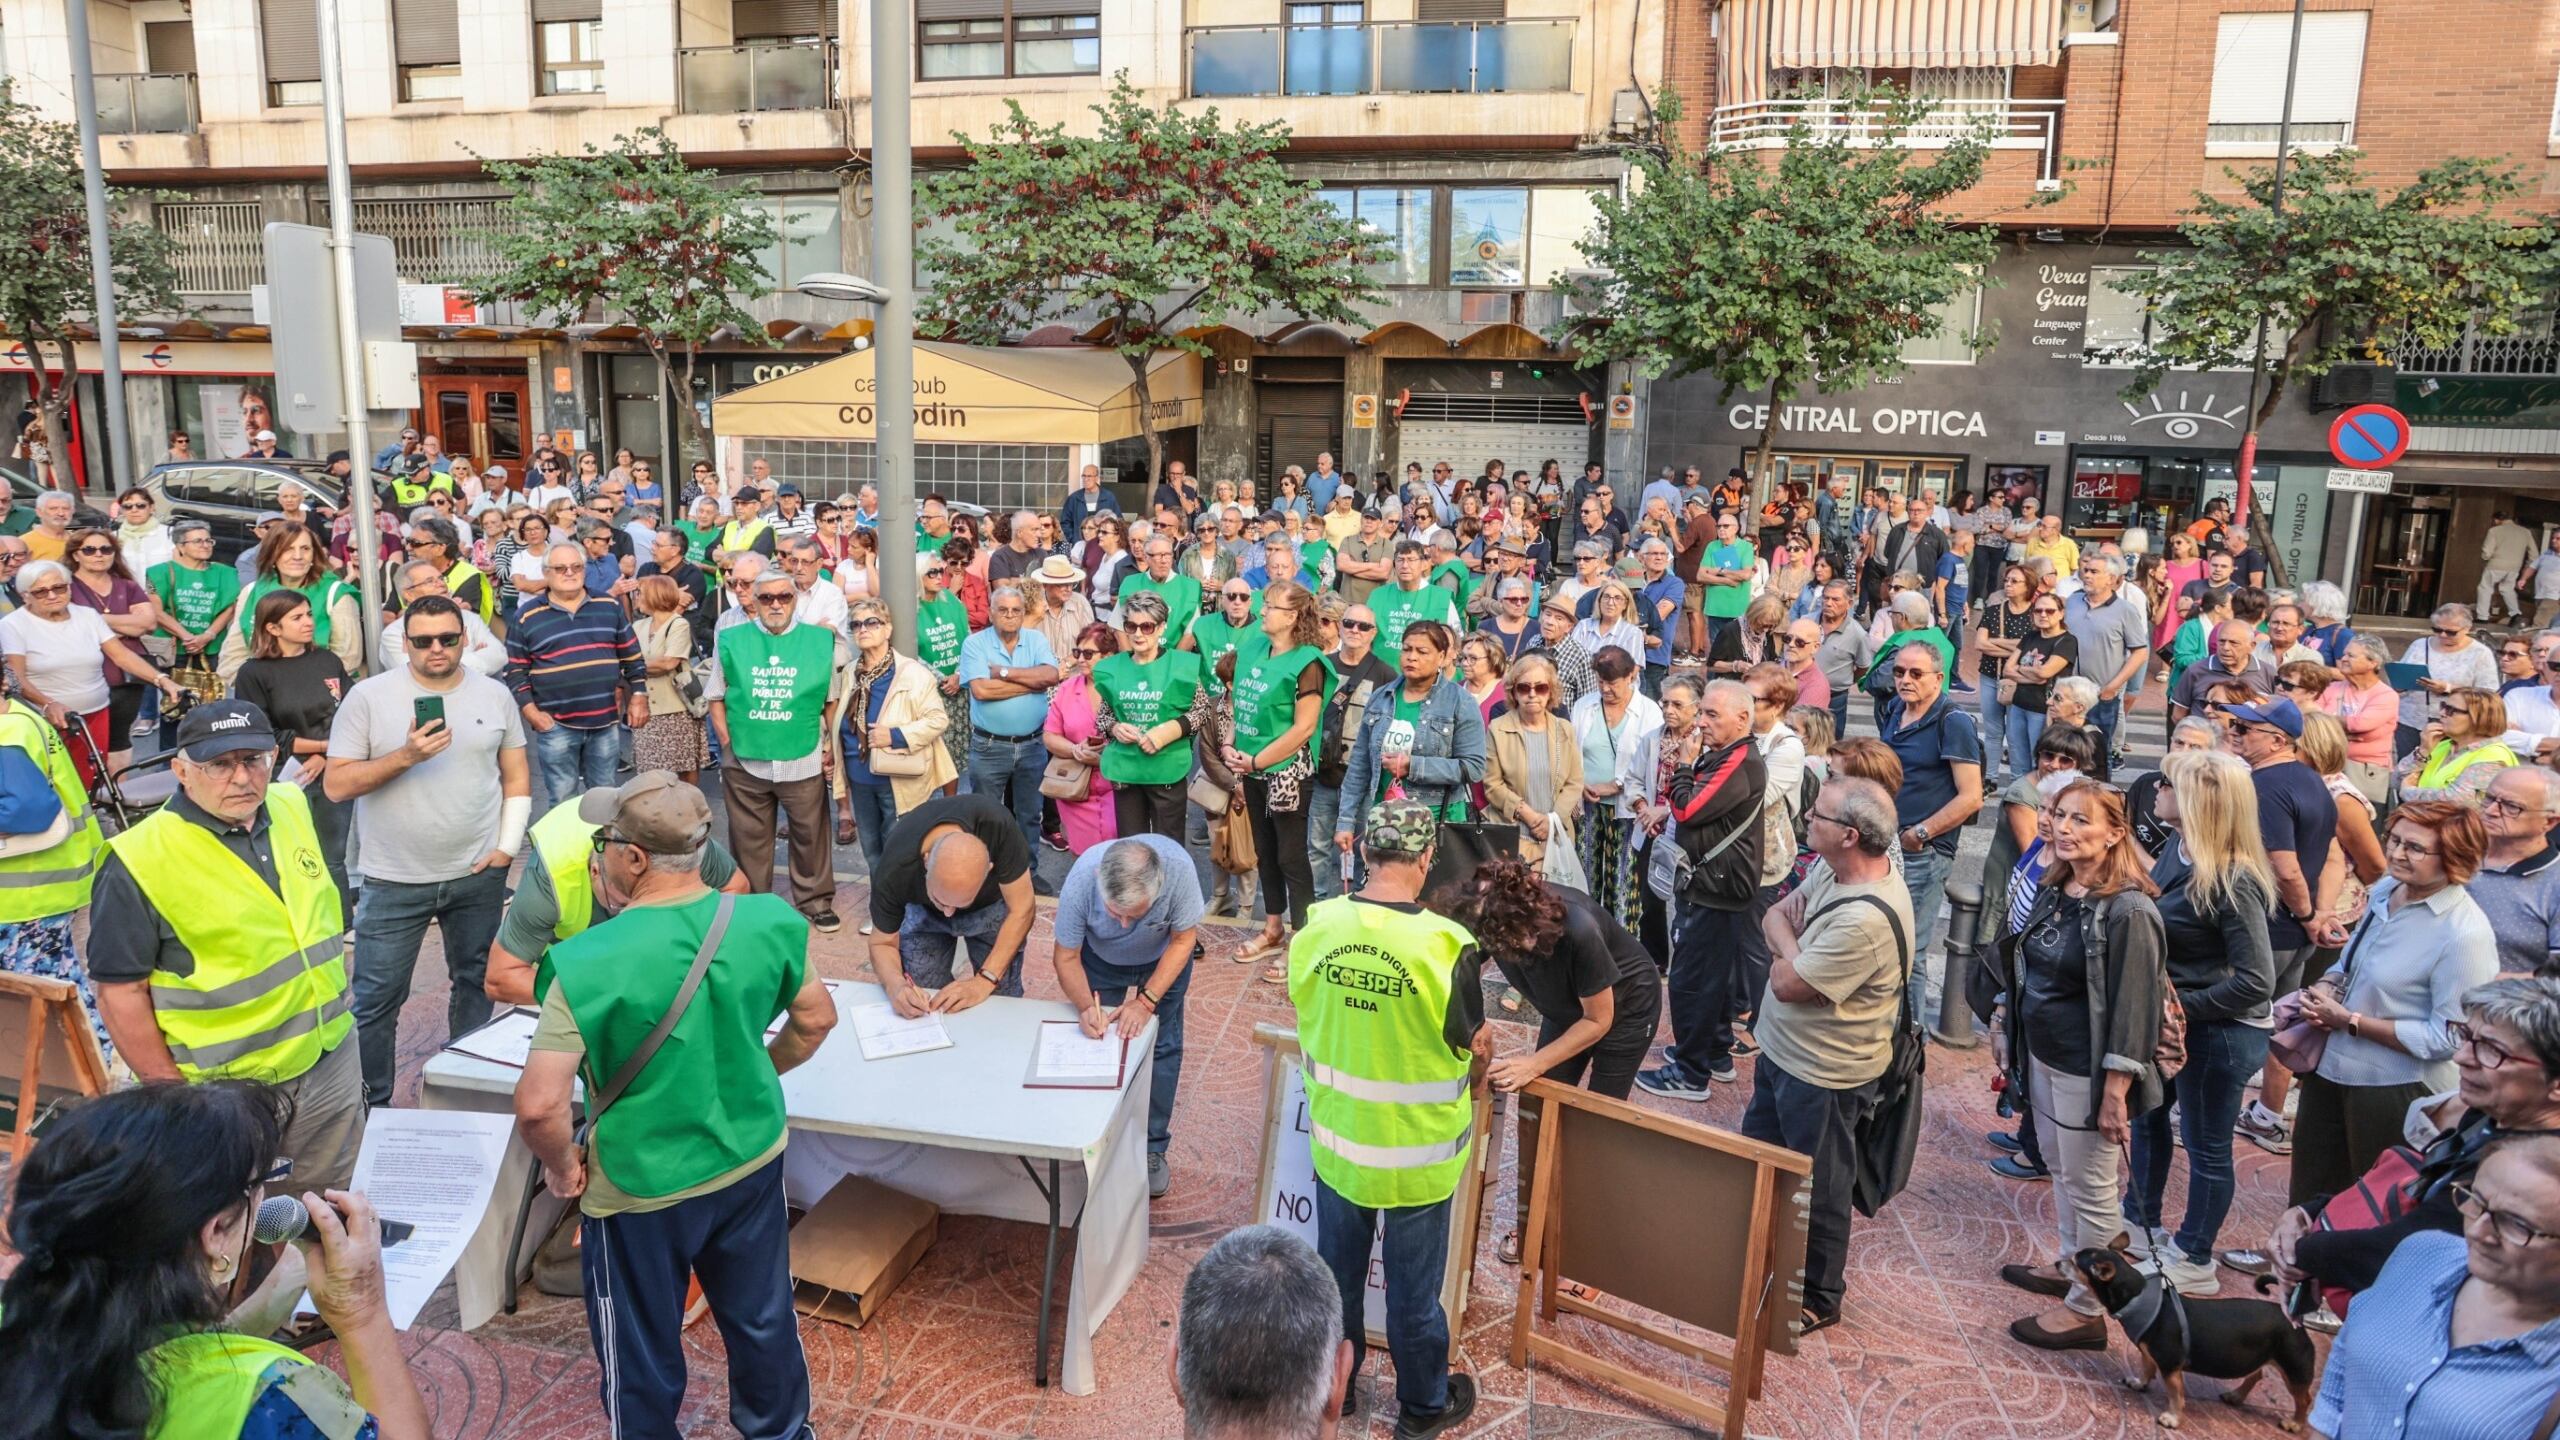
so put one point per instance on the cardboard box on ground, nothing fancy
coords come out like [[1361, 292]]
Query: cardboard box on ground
[[854, 1246]]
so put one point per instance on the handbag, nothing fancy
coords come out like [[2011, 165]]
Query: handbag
[[1668, 867], [2297, 1044], [1559, 865], [1208, 794], [1067, 780], [898, 764], [2007, 690], [1461, 846], [1231, 841], [688, 682]]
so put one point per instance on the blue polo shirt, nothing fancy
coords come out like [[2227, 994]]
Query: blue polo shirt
[[980, 654], [1657, 626], [1929, 749], [1084, 924]]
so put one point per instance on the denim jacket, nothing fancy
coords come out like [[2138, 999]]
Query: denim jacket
[[1448, 750]]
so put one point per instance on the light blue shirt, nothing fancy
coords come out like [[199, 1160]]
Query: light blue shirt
[[980, 654], [2408, 970], [1082, 922], [2396, 1375], [1320, 487]]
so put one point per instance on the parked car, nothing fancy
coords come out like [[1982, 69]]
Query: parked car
[[24, 488], [230, 495]]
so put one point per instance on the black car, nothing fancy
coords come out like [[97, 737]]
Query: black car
[[230, 495], [24, 489]]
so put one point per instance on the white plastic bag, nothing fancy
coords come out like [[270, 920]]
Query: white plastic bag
[[1560, 865]]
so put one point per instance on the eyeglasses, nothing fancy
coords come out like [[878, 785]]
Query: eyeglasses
[[2512, 1229], [2409, 848], [871, 622], [1831, 819], [2489, 1054], [95, 550], [50, 590], [441, 640], [2501, 804], [2449, 632], [564, 569], [1533, 689]]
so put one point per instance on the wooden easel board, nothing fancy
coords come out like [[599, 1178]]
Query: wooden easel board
[[66, 1067], [1741, 1276], [1284, 1193]]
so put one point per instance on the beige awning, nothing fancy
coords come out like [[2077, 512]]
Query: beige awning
[[1893, 34], [973, 395]]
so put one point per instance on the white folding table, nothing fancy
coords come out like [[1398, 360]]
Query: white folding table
[[957, 1127]]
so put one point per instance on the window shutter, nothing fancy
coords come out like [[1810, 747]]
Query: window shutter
[[425, 32], [959, 10], [1057, 7], [782, 19], [1451, 12], [2249, 64], [170, 47], [291, 36], [548, 11]]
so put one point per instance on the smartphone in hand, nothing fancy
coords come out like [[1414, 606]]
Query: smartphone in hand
[[427, 710]]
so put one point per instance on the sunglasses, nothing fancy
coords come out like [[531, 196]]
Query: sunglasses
[[776, 599], [95, 550], [440, 640], [1912, 672], [1533, 689], [1083, 652], [1142, 627], [50, 590], [1361, 625], [2446, 632]]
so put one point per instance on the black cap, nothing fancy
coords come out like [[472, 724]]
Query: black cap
[[748, 492], [224, 727]]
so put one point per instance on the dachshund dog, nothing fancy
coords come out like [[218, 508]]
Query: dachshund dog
[[2226, 1339]]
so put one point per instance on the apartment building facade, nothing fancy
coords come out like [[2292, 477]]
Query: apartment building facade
[[2109, 119], [1473, 133]]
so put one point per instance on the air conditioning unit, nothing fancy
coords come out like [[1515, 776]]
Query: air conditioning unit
[[2355, 385], [1579, 286]]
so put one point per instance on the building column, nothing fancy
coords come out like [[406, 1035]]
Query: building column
[[1364, 372], [1624, 451], [1227, 418]]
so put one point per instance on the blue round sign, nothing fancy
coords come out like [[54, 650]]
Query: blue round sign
[[2368, 437]]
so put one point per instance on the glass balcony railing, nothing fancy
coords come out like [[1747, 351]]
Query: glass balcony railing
[[1385, 58], [764, 75], [163, 104]]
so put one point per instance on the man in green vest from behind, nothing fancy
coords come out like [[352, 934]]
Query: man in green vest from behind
[[680, 1172], [218, 947], [769, 697], [1390, 1018]]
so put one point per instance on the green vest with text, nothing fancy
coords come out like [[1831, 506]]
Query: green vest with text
[[708, 1101], [268, 995], [1397, 608], [207, 1380], [1388, 1116], [1181, 595], [1266, 696], [774, 689], [1147, 696], [53, 881], [561, 844], [1212, 636]]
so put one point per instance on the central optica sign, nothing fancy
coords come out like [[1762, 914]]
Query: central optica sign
[[1849, 420]]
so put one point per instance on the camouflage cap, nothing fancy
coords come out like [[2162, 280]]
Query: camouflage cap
[[1400, 827]]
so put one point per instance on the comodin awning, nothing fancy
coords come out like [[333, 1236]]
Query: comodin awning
[[974, 395], [1892, 34]]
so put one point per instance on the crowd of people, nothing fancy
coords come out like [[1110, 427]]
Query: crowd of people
[[1602, 745]]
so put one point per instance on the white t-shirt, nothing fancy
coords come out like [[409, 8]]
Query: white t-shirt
[[63, 659], [435, 820], [525, 569], [541, 496]]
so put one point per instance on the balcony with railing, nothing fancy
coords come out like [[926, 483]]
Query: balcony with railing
[[2533, 350], [1489, 57], [758, 76], [157, 104], [220, 244], [2011, 125]]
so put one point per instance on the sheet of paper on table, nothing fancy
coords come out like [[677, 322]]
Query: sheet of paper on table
[[1065, 1056], [885, 1033], [506, 1040], [435, 1170]]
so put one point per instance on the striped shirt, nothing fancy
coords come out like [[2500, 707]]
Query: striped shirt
[[569, 663], [2394, 1371]]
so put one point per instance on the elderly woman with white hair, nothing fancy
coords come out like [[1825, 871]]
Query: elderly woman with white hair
[[2453, 661], [2324, 611], [2067, 704], [53, 649]]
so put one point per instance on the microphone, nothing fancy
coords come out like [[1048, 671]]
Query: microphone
[[282, 1218]]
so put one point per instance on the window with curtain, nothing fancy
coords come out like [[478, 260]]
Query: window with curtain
[[2249, 58], [1957, 318]]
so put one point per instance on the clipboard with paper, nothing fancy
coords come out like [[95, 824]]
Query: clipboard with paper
[[1063, 1057]]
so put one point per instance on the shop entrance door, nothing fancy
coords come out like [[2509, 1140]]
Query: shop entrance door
[[482, 416]]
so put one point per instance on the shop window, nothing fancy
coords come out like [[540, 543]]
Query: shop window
[[2250, 55], [1958, 318], [569, 57], [810, 238], [1400, 218]]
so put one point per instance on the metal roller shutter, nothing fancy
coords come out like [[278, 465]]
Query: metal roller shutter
[[782, 19], [426, 32], [1522, 431], [291, 37], [548, 11]]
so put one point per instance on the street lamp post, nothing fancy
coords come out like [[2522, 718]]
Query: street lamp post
[[895, 470], [102, 281], [893, 354]]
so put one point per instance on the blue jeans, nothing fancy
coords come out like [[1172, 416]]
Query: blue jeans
[[1995, 731], [736, 1240], [1417, 1257], [1839, 711], [925, 945], [1324, 812], [2025, 728], [874, 808], [994, 763], [2221, 1056], [391, 923], [1924, 873], [1113, 982], [572, 761], [2107, 715]]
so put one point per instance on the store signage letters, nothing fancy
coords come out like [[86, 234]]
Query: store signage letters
[[2062, 308], [1847, 420]]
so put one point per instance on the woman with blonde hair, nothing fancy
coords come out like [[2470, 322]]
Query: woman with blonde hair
[[1612, 622], [2086, 983], [2459, 752], [894, 716], [2216, 889], [2355, 852], [1758, 638]]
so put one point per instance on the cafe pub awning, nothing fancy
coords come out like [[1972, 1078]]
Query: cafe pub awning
[[973, 395]]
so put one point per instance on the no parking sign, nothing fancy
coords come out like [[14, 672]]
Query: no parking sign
[[2369, 437]]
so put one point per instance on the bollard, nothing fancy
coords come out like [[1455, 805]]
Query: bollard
[[1954, 1025]]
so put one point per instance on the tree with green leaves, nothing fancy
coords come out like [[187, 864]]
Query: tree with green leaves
[[634, 236], [2341, 272], [1158, 222], [45, 272], [1810, 267]]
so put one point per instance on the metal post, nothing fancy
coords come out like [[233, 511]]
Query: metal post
[[1953, 1025], [893, 359], [2355, 550], [102, 279], [2275, 207], [342, 273]]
